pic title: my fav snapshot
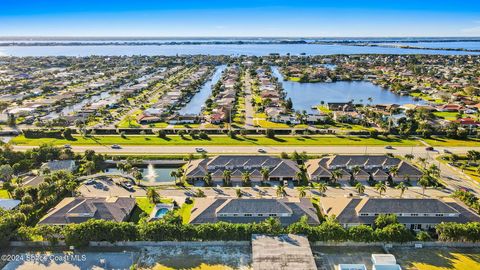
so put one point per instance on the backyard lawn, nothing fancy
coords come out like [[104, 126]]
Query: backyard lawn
[[318, 140], [438, 259]]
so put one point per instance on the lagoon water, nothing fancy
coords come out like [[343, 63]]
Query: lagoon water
[[306, 95], [198, 100], [153, 174], [211, 49]]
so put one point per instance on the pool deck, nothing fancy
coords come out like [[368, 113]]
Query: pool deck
[[286, 251]]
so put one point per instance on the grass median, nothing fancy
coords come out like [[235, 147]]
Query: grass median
[[259, 140]]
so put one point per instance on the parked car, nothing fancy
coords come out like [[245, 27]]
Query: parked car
[[90, 182], [116, 146]]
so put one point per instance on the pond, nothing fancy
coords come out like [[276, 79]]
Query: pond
[[154, 175], [196, 103], [306, 95]]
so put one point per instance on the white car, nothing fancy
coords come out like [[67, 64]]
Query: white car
[[261, 150], [67, 146], [200, 150]]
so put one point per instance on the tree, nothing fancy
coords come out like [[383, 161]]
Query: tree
[[336, 174], [269, 133], [6, 172], [393, 171], [87, 167], [239, 193], [424, 182], [265, 172], [473, 155], [302, 192], [434, 171], [384, 220], [381, 188], [281, 191], [422, 161], [360, 188], [246, 178], [322, 188], [227, 177], [409, 157], [208, 179], [402, 187], [174, 175], [130, 118], [152, 195]]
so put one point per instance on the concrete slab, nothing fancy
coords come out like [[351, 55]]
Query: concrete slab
[[282, 252]]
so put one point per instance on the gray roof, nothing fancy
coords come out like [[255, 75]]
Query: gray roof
[[205, 209], [260, 206], [363, 160], [426, 206], [81, 209], [349, 214]]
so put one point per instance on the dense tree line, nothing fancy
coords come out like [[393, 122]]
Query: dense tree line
[[385, 229]]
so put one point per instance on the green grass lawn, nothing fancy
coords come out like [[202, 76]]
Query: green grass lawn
[[4, 194], [318, 140], [185, 212], [438, 259], [445, 142]]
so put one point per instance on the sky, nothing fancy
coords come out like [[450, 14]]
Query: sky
[[247, 18]]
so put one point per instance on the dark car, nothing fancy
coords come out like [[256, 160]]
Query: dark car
[[429, 148]]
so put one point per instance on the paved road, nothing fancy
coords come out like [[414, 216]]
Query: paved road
[[249, 110], [225, 149]]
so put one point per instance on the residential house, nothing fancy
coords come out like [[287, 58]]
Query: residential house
[[80, 209], [211, 210]]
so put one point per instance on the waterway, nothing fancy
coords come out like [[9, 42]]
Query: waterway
[[306, 95], [196, 103], [213, 49], [154, 175]]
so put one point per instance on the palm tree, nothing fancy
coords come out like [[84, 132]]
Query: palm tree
[[227, 177], [336, 174], [381, 187], [355, 170], [360, 188], [174, 175], [208, 179], [302, 192], [409, 157], [322, 188], [424, 182], [422, 161], [239, 193], [152, 195], [393, 171], [434, 171], [246, 178], [281, 191], [265, 174], [402, 187]]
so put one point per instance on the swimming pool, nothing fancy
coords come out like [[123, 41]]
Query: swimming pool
[[161, 212]]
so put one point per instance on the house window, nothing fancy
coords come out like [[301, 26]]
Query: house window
[[260, 215], [439, 215], [272, 215], [248, 215], [363, 214], [414, 215]]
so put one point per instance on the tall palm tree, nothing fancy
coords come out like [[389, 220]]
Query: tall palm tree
[[174, 175], [246, 178], [381, 187], [281, 191], [208, 179], [322, 188], [422, 161], [302, 192], [409, 157], [265, 174], [360, 188], [402, 187], [434, 171], [336, 174], [393, 171], [227, 177], [424, 182], [153, 195]]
